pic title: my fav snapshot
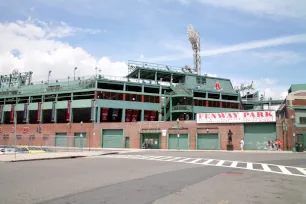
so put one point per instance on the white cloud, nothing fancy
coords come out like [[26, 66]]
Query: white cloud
[[34, 45], [292, 39], [262, 8], [267, 86], [185, 51]]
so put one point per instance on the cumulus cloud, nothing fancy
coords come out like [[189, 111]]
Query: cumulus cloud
[[37, 46]]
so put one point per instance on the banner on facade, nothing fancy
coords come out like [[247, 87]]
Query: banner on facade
[[25, 113], [12, 114], [38, 112], [1, 113], [237, 117], [68, 111]]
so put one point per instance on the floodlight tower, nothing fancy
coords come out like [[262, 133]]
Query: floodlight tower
[[194, 39]]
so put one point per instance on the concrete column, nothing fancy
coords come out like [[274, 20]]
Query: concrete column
[[123, 115], [98, 114], [142, 115], [170, 109]]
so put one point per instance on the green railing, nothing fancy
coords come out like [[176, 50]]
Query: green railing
[[187, 108], [180, 90]]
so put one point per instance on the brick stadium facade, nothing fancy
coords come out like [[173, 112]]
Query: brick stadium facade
[[132, 130]]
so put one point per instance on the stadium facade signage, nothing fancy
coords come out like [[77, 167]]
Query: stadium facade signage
[[237, 117]]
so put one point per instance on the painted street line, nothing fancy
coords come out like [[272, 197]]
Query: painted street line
[[277, 169]]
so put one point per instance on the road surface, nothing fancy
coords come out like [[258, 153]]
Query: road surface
[[172, 177]]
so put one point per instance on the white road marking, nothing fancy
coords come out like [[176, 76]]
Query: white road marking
[[265, 167], [249, 165], [183, 160], [234, 164], [208, 161], [195, 161], [285, 170], [301, 170], [220, 163], [173, 159]]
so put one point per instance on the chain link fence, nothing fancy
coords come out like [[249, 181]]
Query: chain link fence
[[43, 143]]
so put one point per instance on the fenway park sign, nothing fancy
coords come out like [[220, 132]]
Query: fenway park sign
[[237, 117]]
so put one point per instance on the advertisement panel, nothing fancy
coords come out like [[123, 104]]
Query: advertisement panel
[[237, 117]]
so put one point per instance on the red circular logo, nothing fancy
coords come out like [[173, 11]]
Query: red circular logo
[[12, 129]]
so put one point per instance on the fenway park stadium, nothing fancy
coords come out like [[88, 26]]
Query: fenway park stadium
[[166, 107]]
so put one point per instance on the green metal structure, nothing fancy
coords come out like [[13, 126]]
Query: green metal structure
[[168, 92]]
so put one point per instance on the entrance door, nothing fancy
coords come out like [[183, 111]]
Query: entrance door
[[256, 136], [208, 142], [151, 138], [181, 142], [61, 140], [301, 138], [112, 138], [80, 141], [127, 142]]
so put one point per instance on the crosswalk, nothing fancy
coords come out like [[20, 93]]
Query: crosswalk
[[271, 168]]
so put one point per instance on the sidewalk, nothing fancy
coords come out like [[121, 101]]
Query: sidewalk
[[51, 155]]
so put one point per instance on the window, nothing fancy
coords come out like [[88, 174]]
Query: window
[[302, 120], [198, 80], [203, 81]]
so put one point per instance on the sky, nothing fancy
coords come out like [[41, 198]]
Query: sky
[[244, 40]]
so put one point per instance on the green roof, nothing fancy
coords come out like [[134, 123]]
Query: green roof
[[297, 87]]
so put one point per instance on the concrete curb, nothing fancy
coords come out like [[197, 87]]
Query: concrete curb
[[63, 157]]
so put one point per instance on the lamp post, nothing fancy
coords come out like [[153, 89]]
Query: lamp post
[[75, 68], [49, 74], [96, 71], [293, 133], [81, 135], [15, 132]]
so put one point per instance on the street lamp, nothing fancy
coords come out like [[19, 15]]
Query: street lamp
[[293, 131], [81, 135], [49, 74], [96, 71], [75, 68], [15, 131]]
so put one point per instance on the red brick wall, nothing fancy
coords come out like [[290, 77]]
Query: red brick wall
[[131, 130]]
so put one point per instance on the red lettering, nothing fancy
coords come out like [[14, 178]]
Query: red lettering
[[235, 115], [260, 114], [269, 114], [229, 115], [245, 114], [213, 115], [221, 115], [253, 115]]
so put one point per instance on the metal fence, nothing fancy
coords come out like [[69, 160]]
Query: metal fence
[[44, 143]]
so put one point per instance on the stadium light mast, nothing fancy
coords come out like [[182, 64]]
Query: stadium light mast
[[194, 39]]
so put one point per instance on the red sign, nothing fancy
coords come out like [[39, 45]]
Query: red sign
[[38, 112], [68, 111], [0, 129], [12, 129], [237, 117], [25, 130], [217, 86]]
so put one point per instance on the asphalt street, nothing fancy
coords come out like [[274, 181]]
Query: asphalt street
[[132, 181]]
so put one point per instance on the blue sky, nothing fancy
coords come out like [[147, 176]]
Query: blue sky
[[244, 40]]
